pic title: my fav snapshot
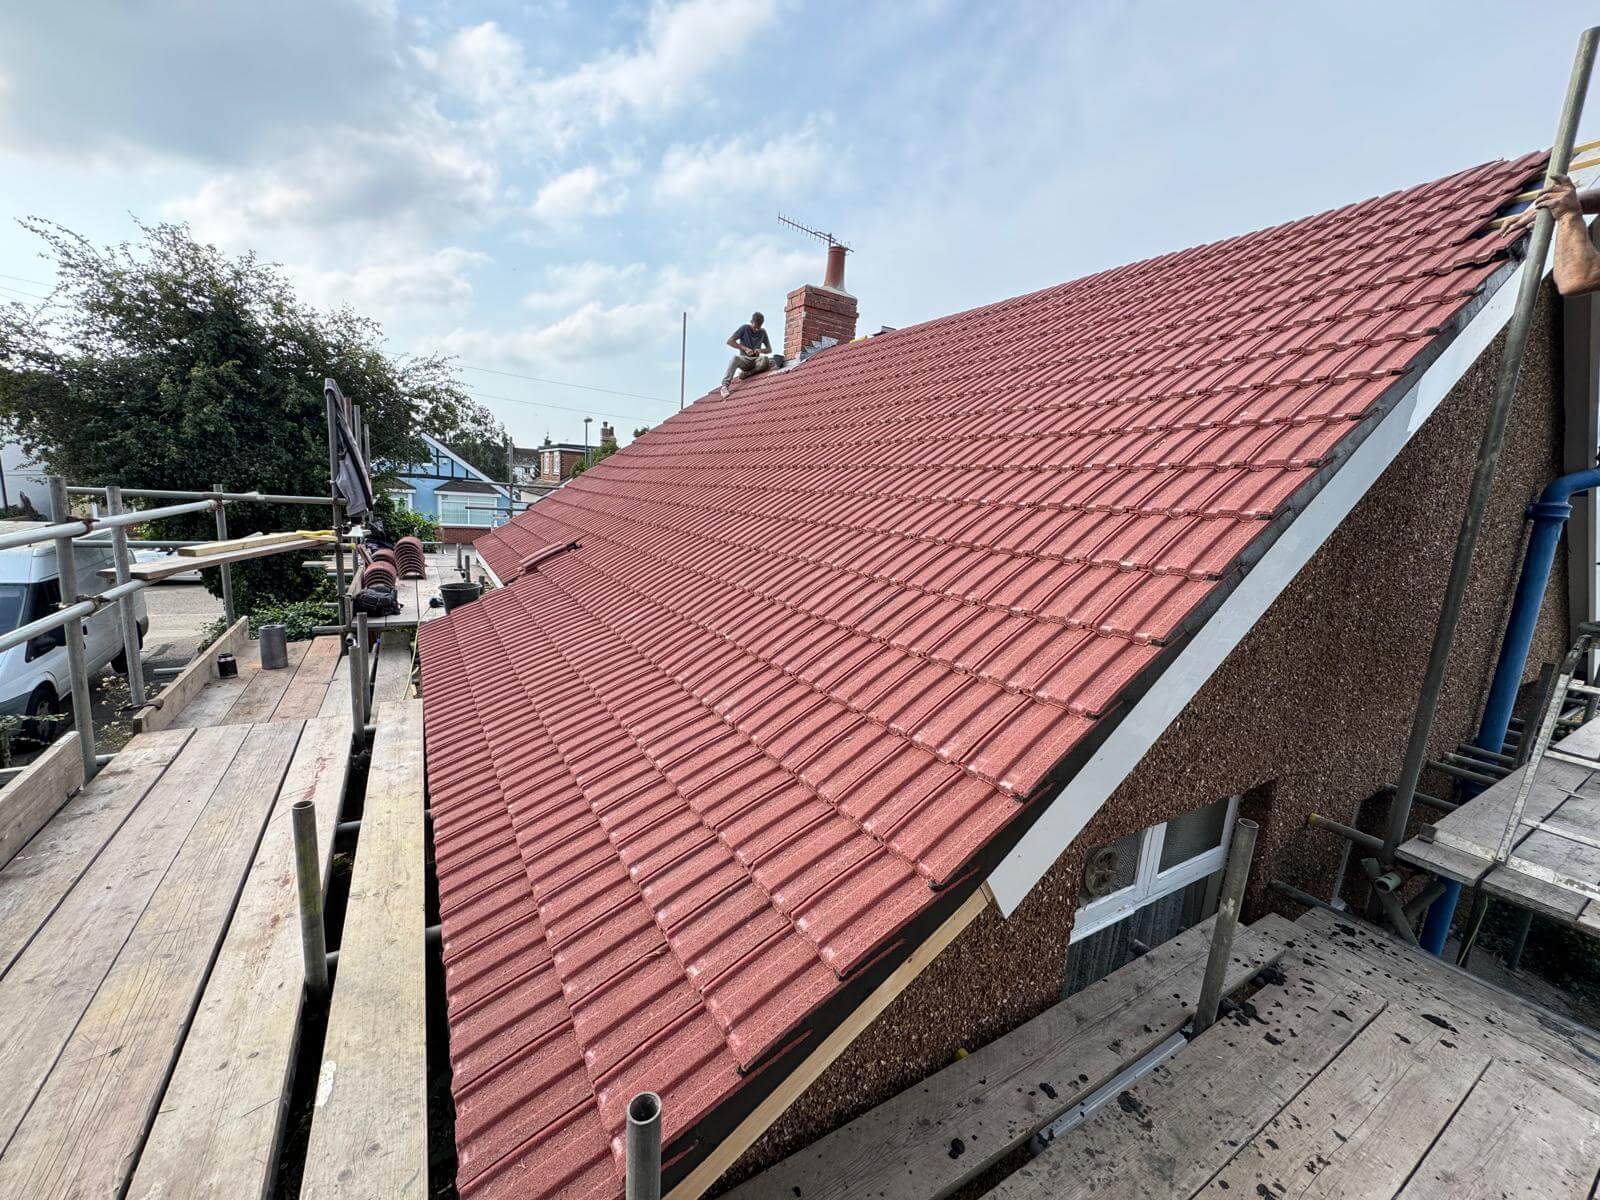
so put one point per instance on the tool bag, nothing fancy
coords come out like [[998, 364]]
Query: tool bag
[[377, 601]]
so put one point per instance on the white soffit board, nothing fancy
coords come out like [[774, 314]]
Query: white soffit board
[[1088, 790]]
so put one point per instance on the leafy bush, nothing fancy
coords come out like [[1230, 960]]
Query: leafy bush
[[298, 617], [404, 522], [165, 363]]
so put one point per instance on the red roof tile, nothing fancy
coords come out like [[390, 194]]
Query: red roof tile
[[759, 687]]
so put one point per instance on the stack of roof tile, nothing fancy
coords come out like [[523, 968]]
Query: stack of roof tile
[[767, 685]]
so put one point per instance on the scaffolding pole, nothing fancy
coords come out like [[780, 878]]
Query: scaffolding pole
[[77, 664], [127, 614]]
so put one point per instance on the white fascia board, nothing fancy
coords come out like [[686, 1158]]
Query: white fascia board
[[1084, 795], [488, 570]]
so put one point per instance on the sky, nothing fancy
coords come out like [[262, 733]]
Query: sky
[[542, 189]]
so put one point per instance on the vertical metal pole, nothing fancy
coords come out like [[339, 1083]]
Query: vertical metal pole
[[308, 875], [1505, 389], [644, 1147], [227, 570], [1520, 942], [1240, 852], [127, 615], [77, 665], [338, 510], [683, 360], [358, 672]]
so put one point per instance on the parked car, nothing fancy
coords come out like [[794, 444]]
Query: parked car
[[34, 681]]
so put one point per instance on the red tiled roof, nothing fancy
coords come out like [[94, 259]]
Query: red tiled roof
[[820, 643]]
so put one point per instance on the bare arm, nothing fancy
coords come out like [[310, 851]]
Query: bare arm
[[1576, 269]]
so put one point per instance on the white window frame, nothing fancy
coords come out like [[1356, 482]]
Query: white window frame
[[482, 519], [401, 498], [1150, 882]]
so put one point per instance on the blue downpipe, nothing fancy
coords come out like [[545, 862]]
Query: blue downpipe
[[1549, 515]]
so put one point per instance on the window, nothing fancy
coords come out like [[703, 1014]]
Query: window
[[1135, 870], [454, 510], [401, 498], [1145, 888]]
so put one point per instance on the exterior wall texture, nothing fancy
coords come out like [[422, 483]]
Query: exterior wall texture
[[462, 534], [1310, 713]]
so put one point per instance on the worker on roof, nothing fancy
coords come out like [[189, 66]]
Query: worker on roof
[[751, 348], [1577, 262]]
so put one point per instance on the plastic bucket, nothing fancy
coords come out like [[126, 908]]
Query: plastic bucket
[[456, 594]]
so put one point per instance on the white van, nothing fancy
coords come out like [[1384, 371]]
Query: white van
[[33, 676]]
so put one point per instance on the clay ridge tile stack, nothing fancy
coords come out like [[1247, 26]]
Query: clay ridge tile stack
[[408, 553], [807, 654]]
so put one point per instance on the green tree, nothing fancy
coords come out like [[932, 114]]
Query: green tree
[[481, 440], [168, 364]]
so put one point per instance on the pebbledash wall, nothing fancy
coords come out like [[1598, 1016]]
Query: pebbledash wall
[[1310, 713]]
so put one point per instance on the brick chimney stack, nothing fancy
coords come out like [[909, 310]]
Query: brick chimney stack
[[608, 436], [815, 312]]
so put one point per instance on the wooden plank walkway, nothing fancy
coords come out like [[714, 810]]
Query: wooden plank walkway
[[999, 1096], [220, 1120], [1185, 1120], [369, 1126], [315, 683], [1553, 871], [56, 976], [391, 679], [49, 864], [1360, 1068], [150, 960], [82, 1132], [165, 708]]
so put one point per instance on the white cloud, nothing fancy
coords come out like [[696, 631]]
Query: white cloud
[[585, 191], [412, 285], [591, 331], [410, 181], [619, 310], [573, 284], [698, 174], [739, 274], [482, 63], [681, 44]]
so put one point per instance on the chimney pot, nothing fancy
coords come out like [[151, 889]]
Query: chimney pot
[[814, 313], [834, 278]]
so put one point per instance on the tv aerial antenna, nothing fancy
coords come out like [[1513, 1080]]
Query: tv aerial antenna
[[826, 238]]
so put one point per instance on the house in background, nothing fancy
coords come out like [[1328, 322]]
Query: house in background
[[539, 470], [449, 489]]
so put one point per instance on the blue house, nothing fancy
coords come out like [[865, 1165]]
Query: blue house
[[450, 490]]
